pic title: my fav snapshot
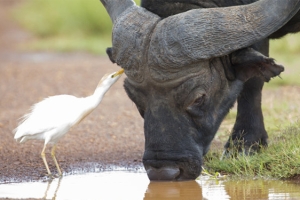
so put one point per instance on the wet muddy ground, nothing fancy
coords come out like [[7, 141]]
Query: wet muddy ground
[[111, 135], [136, 186]]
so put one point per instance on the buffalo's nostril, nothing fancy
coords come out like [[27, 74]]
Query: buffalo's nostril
[[163, 174]]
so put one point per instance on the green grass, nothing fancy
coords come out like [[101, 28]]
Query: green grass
[[56, 17], [68, 25], [289, 44], [286, 51], [280, 160]]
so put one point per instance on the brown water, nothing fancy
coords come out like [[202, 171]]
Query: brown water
[[122, 185]]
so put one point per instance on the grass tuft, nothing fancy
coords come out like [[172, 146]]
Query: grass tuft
[[280, 160]]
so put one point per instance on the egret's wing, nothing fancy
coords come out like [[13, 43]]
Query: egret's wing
[[51, 113]]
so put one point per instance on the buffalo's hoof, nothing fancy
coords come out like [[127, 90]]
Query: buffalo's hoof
[[237, 148]]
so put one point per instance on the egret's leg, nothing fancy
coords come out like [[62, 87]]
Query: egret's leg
[[54, 159], [45, 161]]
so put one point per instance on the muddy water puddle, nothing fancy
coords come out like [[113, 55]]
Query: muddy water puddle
[[123, 185]]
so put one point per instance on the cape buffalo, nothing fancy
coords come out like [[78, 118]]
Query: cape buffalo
[[249, 132], [182, 76]]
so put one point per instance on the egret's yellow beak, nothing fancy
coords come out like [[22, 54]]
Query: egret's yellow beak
[[121, 71]]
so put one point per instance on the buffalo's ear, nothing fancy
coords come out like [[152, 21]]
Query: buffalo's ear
[[249, 63]]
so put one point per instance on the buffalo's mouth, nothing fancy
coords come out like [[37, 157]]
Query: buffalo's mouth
[[164, 173], [180, 169]]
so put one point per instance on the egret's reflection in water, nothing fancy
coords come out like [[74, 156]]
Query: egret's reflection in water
[[136, 186], [57, 184]]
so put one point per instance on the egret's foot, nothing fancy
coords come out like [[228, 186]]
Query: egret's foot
[[50, 176], [53, 176], [58, 175]]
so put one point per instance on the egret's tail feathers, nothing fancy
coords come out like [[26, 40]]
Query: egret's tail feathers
[[19, 134], [22, 139], [19, 137]]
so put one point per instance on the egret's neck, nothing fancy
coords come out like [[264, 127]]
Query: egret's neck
[[91, 102], [99, 93]]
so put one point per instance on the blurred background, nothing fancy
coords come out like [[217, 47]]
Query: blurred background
[[68, 25]]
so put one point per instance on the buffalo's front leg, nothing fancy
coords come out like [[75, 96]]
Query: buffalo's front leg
[[249, 132]]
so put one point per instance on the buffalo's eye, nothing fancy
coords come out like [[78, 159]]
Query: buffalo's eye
[[195, 108], [199, 101]]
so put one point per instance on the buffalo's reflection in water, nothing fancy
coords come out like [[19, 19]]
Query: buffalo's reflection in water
[[173, 190]]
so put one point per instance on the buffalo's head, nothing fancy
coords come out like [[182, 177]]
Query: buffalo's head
[[178, 71], [181, 118]]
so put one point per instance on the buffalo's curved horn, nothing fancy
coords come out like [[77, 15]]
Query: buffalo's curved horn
[[116, 7], [140, 36], [206, 33]]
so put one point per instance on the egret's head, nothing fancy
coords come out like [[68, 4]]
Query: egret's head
[[109, 79]]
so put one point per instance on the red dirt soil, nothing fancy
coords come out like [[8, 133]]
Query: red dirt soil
[[110, 136]]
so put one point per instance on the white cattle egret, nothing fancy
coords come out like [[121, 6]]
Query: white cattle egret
[[53, 117]]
